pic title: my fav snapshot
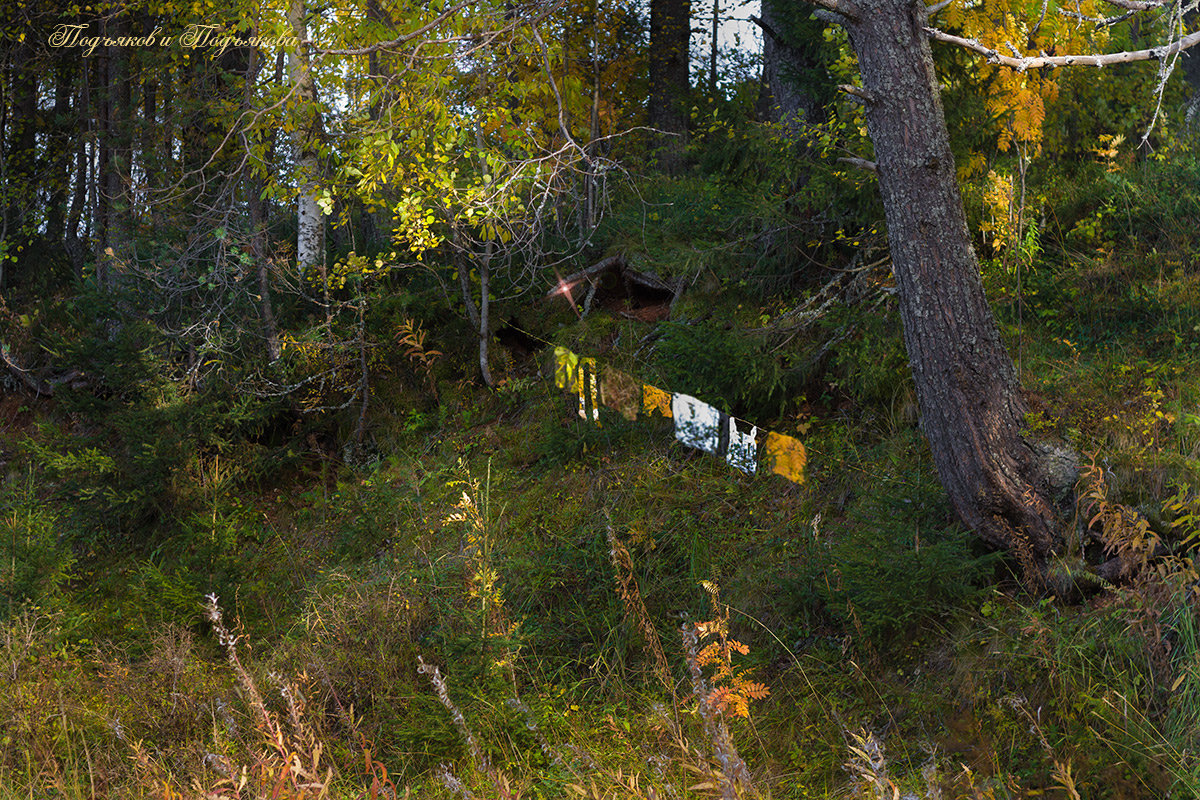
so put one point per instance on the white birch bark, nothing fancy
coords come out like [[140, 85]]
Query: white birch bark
[[310, 241]]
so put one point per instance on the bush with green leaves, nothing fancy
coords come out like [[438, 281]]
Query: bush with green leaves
[[726, 368], [890, 574], [148, 440]]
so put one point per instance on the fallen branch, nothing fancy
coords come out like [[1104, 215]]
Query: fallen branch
[[73, 379]]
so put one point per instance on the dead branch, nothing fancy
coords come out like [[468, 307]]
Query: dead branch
[[1100, 60], [857, 92], [1136, 5], [812, 310], [571, 281], [72, 378], [861, 163], [843, 8]]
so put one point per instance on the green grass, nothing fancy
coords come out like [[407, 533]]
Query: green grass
[[894, 648]]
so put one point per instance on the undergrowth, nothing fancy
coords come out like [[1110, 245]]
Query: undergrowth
[[495, 598]]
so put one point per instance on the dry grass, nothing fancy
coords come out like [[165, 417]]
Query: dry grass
[[177, 725]]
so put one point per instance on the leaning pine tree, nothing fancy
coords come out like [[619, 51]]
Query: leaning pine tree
[[1002, 485]]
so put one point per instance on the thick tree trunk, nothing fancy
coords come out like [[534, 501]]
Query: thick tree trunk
[[786, 64], [1191, 74], [967, 389], [670, 31]]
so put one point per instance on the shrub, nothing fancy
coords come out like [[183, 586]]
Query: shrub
[[728, 369], [36, 565], [899, 559]]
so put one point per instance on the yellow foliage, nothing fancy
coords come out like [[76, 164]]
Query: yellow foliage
[[971, 166], [354, 267], [730, 688], [1109, 149], [998, 195], [1013, 28]]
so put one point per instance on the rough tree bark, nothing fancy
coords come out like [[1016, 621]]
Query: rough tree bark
[[971, 406], [1191, 74]]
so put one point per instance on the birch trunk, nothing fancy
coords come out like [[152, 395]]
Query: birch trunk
[[310, 240]]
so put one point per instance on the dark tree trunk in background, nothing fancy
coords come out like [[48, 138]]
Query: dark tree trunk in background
[[101, 180], [20, 154], [71, 240], [670, 31], [256, 204], [1191, 73], [259, 247], [120, 132], [379, 65], [164, 153], [60, 149], [150, 156], [786, 65], [969, 396]]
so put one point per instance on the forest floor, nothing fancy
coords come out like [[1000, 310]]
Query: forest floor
[[610, 613]]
